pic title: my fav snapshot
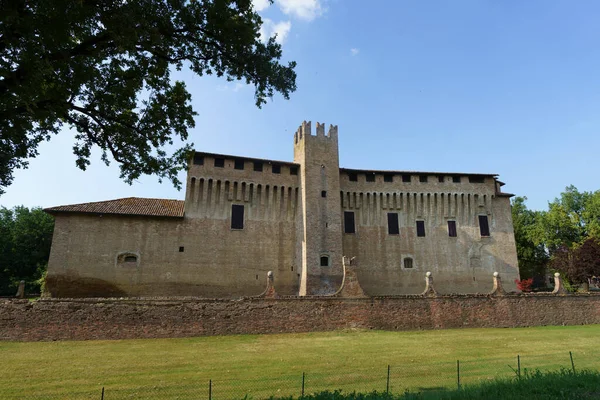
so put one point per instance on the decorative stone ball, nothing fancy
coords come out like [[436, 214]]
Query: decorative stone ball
[[496, 274], [428, 274], [270, 274], [556, 274]]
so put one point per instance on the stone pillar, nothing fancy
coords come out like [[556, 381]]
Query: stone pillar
[[350, 286], [269, 292], [21, 290], [559, 288], [497, 290], [429, 289]]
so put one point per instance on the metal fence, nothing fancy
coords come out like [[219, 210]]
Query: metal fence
[[417, 376]]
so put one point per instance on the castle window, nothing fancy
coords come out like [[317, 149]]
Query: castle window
[[477, 179], [237, 216], [393, 226], [388, 178], [441, 178], [421, 228], [293, 170], [181, 249], [127, 260], [238, 164], [258, 166], [276, 169], [408, 263], [405, 178], [198, 159], [349, 222], [370, 177], [219, 162], [456, 179], [423, 178], [323, 193], [452, 228], [484, 228], [352, 177], [324, 261]]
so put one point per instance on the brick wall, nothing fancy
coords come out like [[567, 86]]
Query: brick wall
[[122, 319]]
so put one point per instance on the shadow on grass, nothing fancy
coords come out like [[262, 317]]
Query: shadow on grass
[[563, 384]]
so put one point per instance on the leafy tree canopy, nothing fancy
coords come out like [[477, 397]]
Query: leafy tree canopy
[[104, 68], [25, 240], [532, 256]]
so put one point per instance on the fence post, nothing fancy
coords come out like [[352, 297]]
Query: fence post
[[458, 373], [572, 363], [387, 387], [210, 389], [302, 384], [102, 398], [519, 366]]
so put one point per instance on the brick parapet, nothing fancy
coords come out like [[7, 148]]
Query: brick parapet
[[85, 319]]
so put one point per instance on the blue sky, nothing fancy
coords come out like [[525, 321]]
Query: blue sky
[[506, 87]]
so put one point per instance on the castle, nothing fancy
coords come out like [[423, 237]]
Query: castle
[[244, 216]]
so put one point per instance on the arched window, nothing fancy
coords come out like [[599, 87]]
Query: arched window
[[127, 259], [130, 259], [324, 261]]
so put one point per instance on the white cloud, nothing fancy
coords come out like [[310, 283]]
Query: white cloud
[[270, 28], [303, 9], [260, 5], [354, 51]]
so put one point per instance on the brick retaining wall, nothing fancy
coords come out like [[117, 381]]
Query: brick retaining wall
[[124, 319]]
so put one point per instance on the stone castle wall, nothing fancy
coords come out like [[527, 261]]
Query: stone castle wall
[[89, 319]]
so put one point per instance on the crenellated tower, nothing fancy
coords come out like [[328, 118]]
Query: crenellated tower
[[319, 247]]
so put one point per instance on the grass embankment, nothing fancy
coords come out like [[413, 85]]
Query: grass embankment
[[266, 365]]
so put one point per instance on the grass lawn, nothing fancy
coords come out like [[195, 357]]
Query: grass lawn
[[264, 365]]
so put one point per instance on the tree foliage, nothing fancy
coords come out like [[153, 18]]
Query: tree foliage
[[579, 263], [532, 256], [104, 68], [25, 240]]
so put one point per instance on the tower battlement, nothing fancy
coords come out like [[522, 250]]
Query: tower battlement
[[305, 131]]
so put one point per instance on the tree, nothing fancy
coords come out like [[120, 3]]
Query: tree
[[532, 256], [104, 68], [25, 240], [580, 262]]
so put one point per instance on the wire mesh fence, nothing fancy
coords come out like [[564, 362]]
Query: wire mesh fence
[[416, 376]]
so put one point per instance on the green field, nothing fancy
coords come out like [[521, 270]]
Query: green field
[[264, 365]]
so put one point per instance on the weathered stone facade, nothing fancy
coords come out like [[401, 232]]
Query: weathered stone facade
[[243, 217]]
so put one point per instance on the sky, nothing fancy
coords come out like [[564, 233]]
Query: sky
[[507, 87]]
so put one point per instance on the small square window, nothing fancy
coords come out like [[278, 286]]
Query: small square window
[[198, 159], [441, 178], [352, 177], [323, 193], [476, 179], [456, 179], [219, 162], [408, 262], [293, 170], [258, 166], [370, 177], [421, 228], [276, 169], [388, 178], [405, 178], [324, 261], [423, 178], [238, 164], [181, 249]]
